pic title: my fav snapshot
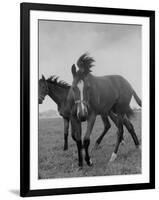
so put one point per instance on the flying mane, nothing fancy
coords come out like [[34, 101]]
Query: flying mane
[[54, 80], [85, 63]]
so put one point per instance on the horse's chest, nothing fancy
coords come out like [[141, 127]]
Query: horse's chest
[[63, 111]]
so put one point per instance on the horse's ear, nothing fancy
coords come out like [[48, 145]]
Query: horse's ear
[[73, 70], [43, 78]]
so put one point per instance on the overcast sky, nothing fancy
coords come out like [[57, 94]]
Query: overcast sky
[[115, 48]]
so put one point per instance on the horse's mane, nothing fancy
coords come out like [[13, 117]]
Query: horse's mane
[[85, 63], [54, 80]]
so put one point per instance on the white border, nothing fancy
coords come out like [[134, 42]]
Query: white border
[[90, 181]]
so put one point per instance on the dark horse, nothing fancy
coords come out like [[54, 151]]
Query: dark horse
[[60, 92], [104, 96]]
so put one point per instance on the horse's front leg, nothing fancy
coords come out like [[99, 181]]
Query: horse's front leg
[[76, 136], [86, 141], [66, 127]]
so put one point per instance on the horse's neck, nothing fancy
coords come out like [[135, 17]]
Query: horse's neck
[[90, 78], [57, 94]]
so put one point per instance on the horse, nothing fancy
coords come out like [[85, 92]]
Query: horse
[[104, 96], [59, 92]]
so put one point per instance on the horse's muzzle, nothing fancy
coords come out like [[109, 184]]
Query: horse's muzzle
[[82, 118], [82, 111], [40, 101], [83, 114]]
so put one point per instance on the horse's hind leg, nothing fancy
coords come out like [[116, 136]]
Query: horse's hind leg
[[66, 127], [119, 125], [131, 130], [114, 118], [106, 128]]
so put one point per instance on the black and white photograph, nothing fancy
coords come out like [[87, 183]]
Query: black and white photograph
[[89, 99], [90, 81]]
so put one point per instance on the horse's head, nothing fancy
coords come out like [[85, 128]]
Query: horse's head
[[43, 89], [80, 90]]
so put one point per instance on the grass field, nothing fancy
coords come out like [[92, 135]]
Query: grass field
[[53, 162]]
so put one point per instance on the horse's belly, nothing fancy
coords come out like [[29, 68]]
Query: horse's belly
[[103, 106], [105, 96]]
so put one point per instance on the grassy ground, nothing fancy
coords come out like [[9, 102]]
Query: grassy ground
[[56, 163]]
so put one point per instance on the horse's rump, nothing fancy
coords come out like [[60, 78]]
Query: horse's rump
[[110, 92]]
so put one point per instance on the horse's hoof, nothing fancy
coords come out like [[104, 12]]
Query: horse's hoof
[[79, 168], [65, 148], [122, 142], [90, 163], [113, 157]]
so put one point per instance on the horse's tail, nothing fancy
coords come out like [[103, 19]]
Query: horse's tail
[[138, 100], [129, 112]]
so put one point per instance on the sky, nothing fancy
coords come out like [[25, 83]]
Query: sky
[[116, 49]]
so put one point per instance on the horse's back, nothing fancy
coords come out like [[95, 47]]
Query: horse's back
[[104, 94], [115, 81], [115, 89], [125, 92]]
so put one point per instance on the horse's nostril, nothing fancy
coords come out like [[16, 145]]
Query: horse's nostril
[[40, 101], [82, 117]]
